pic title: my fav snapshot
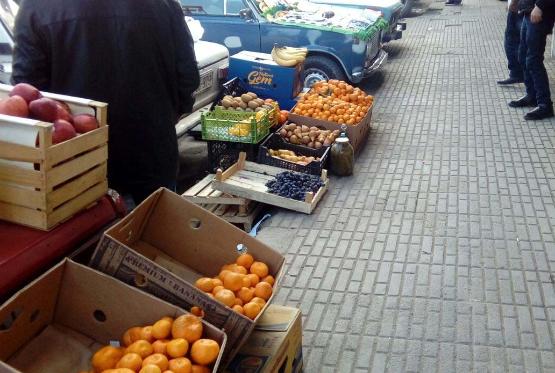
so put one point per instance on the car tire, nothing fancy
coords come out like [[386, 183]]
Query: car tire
[[407, 8], [318, 67]]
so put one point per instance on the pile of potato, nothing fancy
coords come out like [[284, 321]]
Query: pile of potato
[[313, 137], [291, 156], [248, 102]]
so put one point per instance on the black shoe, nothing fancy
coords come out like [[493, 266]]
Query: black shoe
[[523, 102], [541, 112], [510, 81]]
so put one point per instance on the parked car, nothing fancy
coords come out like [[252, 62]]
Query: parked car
[[240, 25], [391, 10]]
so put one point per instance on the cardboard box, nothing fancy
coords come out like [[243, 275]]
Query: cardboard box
[[166, 234], [265, 77], [56, 323], [274, 346], [357, 134]]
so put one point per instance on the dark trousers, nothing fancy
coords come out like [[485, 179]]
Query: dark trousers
[[512, 42], [532, 47]]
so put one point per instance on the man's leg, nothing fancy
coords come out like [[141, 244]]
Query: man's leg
[[530, 98], [512, 42]]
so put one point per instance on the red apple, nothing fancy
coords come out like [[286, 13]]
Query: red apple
[[15, 106], [27, 91], [44, 109], [62, 113], [84, 123], [62, 131]]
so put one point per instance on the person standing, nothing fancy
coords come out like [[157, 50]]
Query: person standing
[[136, 55], [512, 42], [539, 16]]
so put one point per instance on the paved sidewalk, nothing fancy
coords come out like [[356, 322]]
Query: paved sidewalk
[[439, 254]]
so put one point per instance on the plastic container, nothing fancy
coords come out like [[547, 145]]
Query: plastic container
[[250, 131], [223, 154], [342, 157]]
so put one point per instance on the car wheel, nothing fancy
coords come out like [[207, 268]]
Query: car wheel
[[317, 68], [407, 8]]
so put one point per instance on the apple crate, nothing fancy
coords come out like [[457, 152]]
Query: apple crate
[[42, 184]]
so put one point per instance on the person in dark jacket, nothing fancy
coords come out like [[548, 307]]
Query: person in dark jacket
[[512, 42], [136, 55], [539, 16]]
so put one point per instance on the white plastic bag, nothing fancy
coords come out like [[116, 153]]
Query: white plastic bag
[[195, 28]]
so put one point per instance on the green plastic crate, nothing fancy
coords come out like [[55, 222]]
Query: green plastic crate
[[250, 131]]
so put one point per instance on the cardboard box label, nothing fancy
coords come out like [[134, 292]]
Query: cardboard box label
[[261, 77]]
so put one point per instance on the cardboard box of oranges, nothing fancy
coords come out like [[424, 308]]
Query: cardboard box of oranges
[[183, 254], [75, 319]]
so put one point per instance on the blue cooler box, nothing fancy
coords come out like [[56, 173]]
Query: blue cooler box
[[266, 78]]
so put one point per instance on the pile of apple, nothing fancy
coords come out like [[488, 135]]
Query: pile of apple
[[26, 101]]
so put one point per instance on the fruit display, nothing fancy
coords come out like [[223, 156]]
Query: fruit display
[[313, 137], [294, 185], [291, 156], [248, 102], [167, 345], [335, 101], [288, 56], [244, 286], [26, 101]]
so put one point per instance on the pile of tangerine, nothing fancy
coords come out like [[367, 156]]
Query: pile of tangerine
[[167, 346], [243, 286]]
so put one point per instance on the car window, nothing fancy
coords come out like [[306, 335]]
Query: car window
[[234, 6], [206, 7]]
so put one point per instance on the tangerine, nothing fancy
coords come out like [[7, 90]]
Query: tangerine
[[205, 284], [161, 361], [106, 358], [238, 269], [200, 369], [146, 334], [238, 309], [260, 269], [205, 351], [151, 368], [197, 311], [246, 281], [177, 347], [217, 282], [254, 279], [233, 281], [269, 279], [225, 296], [263, 290], [119, 370], [222, 274], [259, 300], [252, 309], [131, 335], [245, 294], [132, 361], [238, 302], [141, 347], [161, 329], [180, 365], [245, 260], [160, 346], [217, 289], [188, 327]]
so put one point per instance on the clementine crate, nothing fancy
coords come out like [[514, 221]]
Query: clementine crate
[[43, 185]]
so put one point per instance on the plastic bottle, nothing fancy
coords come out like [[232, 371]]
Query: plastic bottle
[[342, 155]]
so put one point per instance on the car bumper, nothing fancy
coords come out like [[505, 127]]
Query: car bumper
[[376, 65]]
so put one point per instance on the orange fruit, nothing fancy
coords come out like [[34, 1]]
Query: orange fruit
[[160, 346], [170, 319], [200, 369], [217, 282], [254, 279], [238, 302], [156, 359], [151, 368], [223, 273], [106, 358], [197, 311], [119, 370], [205, 284], [131, 335], [226, 297], [217, 289], [146, 334], [245, 294], [141, 347], [239, 269], [205, 351], [181, 365], [238, 309], [260, 269], [132, 361], [233, 281], [259, 300], [263, 290], [245, 260], [269, 279], [177, 347], [252, 309], [161, 329], [168, 371], [246, 282], [188, 327]]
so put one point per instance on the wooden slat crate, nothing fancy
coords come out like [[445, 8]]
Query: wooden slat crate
[[41, 186]]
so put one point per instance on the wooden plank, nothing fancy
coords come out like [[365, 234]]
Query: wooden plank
[[252, 174], [101, 109], [16, 152], [80, 144], [76, 187], [206, 191], [26, 197], [21, 176], [195, 189], [75, 167], [77, 204], [264, 169], [23, 215], [251, 185]]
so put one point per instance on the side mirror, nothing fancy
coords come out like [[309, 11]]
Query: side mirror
[[246, 13]]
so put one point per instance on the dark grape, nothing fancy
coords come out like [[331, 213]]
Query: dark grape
[[295, 186]]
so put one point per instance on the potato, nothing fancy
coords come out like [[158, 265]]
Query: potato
[[310, 144], [289, 134], [305, 128], [314, 128], [297, 131], [294, 139], [305, 140], [317, 145], [283, 132], [327, 142]]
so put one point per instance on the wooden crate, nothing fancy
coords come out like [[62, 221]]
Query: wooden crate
[[41, 186], [248, 180], [235, 210]]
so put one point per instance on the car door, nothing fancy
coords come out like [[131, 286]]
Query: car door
[[228, 22]]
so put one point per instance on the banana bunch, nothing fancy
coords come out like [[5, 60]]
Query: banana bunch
[[288, 56]]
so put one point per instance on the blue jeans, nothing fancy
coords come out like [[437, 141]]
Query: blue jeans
[[512, 41], [532, 47]]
